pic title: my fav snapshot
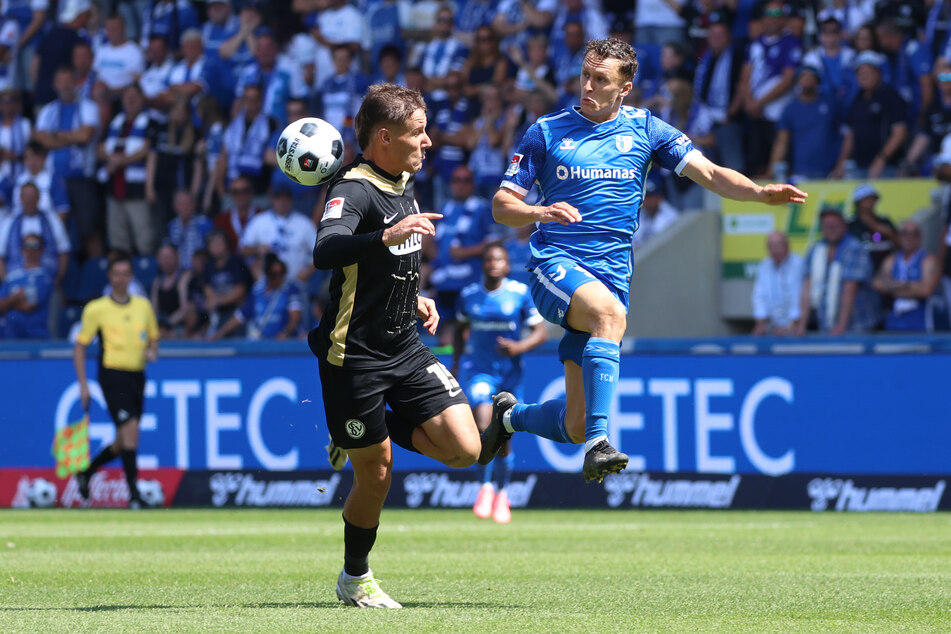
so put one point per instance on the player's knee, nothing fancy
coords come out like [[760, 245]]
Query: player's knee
[[465, 456], [611, 322]]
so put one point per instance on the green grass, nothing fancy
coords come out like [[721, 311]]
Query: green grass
[[548, 571]]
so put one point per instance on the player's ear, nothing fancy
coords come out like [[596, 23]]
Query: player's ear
[[384, 135], [626, 88]]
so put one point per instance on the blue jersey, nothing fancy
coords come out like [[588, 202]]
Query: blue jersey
[[37, 284], [504, 312], [599, 168]]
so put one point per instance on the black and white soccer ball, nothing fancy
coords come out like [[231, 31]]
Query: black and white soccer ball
[[309, 151], [42, 494], [151, 492]]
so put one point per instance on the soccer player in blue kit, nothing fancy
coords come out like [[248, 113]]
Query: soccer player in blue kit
[[590, 162], [494, 311]]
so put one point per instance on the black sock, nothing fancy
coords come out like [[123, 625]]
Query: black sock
[[106, 455], [400, 432], [357, 543], [131, 472]]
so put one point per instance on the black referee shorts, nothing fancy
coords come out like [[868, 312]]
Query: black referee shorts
[[355, 400], [124, 393]]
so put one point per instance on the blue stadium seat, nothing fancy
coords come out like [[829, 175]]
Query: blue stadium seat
[[68, 315], [92, 279], [145, 269]]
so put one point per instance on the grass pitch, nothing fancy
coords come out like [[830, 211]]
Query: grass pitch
[[547, 571]]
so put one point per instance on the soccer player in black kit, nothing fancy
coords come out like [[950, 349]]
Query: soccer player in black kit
[[370, 354]]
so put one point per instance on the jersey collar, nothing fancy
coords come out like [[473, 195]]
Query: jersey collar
[[577, 111]]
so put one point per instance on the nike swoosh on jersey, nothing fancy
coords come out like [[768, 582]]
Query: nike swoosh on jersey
[[388, 219], [454, 392]]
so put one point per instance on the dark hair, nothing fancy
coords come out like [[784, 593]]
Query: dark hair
[[390, 50], [613, 48], [36, 147], [30, 184], [64, 68], [385, 105], [117, 257], [272, 258]]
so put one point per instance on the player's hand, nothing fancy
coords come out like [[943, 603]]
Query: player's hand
[[781, 194], [507, 347], [426, 310], [560, 212], [416, 223], [84, 397], [151, 355]]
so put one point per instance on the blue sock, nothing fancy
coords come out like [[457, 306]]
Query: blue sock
[[487, 473], [543, 419], [600, 368], [508, 463]]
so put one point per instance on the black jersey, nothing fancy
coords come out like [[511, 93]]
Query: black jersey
[[371, 319]]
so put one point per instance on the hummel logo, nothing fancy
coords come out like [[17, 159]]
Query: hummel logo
[[388, 219], [567, 144]]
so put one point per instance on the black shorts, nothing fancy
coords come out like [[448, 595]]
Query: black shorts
[[124, 393], [355, 400]]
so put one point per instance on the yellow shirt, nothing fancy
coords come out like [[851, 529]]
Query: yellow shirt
[[124, 331]]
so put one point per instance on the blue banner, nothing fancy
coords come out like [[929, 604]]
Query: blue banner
[[767, 414]]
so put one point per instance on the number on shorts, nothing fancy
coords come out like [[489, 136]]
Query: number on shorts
[[446, 378]]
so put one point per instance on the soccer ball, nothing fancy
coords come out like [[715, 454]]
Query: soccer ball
[[309, 151], [42, 493], [151, 492]]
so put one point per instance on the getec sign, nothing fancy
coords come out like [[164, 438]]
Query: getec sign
[[675, 413]]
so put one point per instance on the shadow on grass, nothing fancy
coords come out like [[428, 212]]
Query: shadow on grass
[[306, 604]]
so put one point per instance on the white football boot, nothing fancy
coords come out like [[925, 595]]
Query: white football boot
[[363, 592], [336, 456]]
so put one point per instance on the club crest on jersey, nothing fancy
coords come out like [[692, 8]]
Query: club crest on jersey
[[623, 142], [567, 144], [514, 164], [333, 209]]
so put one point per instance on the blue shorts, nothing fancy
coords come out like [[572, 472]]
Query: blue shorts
[[553, 283], [481, 386]]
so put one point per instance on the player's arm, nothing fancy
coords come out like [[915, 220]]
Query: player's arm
[[89, 325], [537, 335], [458, 342], [884, 283], [735, 186], [509, 209]]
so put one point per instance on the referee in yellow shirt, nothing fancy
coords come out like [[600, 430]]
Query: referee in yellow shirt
[[128, 337]]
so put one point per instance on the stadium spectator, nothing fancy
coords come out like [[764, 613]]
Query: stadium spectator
[[942, 169], [515, 20], [339, 23], [766, 84], [440, 54], [282, 231], [86, 77], [807, 134], [935, 126], [245, 141], [25, 294], [235, 220], [535, 72], [172, 163], [389, 66], [906, 68], [67, 128], [239, 48], [169, 19], [659, 22], [876, 232], [55, 49], [716, 89], [30, 17], [154, 79], [341, 93], [379, 330], [197, 319], [382, 31], [274, 308], [567, 56], [837, 296], [128, 336], [489, 138], [275, 79], [833, 59], [876, 124], [691, 118], [777, 290], [15, 131], [493, 315], [850, 15], [124, 151], [226, 281], [594, 21], [187, 231], [118, 64], [222, 25], [170, 293], [865, 39], [909, 278], [656, 213], [53, 197], [450, 119], [208, 151], [470, 17], [189, 77], [486, 64], [9, 33], [31, 221]]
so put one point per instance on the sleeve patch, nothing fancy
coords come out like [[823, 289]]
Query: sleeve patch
[[333, 209], [514, 164]]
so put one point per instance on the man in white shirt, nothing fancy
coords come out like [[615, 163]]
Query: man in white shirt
[[776, 292], [282, 231], [118, 62]]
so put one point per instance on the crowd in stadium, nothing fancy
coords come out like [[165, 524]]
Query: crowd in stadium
[[148, 127]]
